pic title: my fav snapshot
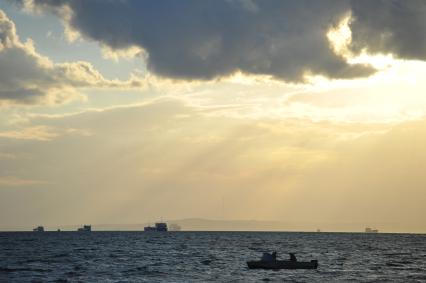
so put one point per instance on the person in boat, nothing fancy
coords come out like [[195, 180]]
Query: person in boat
[[292, 257], [269, 257]]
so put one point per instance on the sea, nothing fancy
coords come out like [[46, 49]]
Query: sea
[[208, 256]]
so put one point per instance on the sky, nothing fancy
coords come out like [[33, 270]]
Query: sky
[[133, 111]]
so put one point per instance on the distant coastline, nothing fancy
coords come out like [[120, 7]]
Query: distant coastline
[[200, 224]]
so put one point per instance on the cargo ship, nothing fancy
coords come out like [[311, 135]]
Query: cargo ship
[[39, 229], [85, 228], [159, 227]]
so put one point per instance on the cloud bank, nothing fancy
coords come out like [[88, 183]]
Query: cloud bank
[[285, 39], [396, 27], [204, 40]]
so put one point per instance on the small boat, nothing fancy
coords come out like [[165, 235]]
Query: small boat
[[270, 262], [282, 264]]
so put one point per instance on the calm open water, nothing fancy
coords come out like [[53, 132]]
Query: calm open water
[[208, 256]]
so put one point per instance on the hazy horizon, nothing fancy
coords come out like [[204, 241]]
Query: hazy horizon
[[310, 113], [202, 224]]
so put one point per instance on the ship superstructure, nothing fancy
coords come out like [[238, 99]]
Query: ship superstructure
[[85, 228], [39, 229], [159, 227]]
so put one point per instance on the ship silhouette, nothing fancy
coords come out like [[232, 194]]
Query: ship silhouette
[[159, 227], [85, 228]]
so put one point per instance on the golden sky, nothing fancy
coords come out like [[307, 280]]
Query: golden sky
[[222, 110]]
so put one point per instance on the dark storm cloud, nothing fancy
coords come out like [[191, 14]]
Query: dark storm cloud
[[397, 27], [194, 39]]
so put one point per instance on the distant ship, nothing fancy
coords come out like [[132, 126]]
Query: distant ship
[[39, 229], [159, 227], [369, 230], [85, 228]]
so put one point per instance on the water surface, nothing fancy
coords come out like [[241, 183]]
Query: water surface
[[208, 256]]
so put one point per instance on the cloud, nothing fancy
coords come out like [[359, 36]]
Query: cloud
[[396, 27], [41, 133], [26, 77], [203, 40], [284, 39], [11, 181]]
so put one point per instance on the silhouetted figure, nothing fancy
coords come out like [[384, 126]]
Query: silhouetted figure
[[269, 257], [292, 257]]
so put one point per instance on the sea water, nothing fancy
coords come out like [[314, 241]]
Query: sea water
[[208, 256]]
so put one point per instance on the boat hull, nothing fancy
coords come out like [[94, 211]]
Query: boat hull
[[283, 264]]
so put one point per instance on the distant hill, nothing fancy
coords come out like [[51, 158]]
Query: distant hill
[[198, 224], [194, 224]]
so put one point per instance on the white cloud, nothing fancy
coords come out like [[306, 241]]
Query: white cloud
[[26, 77]]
